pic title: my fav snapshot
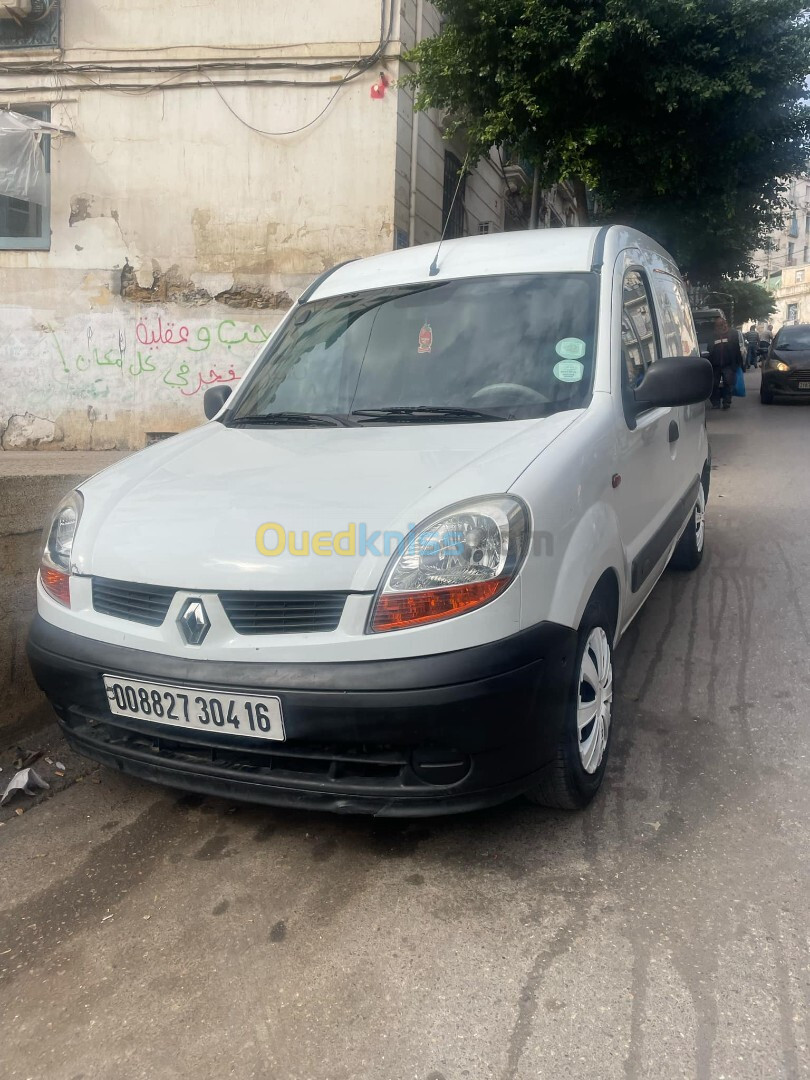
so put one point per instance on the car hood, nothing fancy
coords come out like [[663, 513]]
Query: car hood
[[796, 358], [186, 512]]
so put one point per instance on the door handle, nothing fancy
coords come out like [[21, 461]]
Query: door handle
[[674, 431]]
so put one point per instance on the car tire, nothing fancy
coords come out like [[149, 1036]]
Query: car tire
[[688, 553], [576, 774], [765, 395]]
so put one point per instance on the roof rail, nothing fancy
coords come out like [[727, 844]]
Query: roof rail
[[319, 280], [599, 249]]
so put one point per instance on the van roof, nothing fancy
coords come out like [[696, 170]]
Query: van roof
[[537, 251]]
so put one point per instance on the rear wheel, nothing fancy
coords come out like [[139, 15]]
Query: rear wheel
[[578, 768], [688, 552]]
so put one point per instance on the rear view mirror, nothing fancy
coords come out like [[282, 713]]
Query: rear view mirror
[[674, 380], [215, 398]]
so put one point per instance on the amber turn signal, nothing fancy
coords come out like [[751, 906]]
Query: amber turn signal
[[395, 611], [56, 584]]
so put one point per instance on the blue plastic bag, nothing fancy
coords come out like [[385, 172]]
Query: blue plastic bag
[[739, 385]]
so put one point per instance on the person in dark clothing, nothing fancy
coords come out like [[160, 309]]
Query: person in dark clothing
[[752, 341], [725, 360]]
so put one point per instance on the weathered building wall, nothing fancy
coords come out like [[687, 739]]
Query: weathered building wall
[[792, 297], [179, 234]]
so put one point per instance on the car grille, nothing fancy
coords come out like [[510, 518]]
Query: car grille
[[290, 761], [795, 377], [146, 604], [362, 768], [249, 612], [283, 613]]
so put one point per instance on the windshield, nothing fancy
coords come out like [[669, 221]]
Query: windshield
[[493, 348], [793, 337]]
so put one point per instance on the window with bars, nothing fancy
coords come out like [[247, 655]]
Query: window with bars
[[36, 29], [26, 226], [452, 202]]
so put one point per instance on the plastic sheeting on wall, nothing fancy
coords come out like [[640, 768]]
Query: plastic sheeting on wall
[[22, 163]]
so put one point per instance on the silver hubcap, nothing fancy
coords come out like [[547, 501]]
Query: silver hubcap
[[594, 699], [700, 518]]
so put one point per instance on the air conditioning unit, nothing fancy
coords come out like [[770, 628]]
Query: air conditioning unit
[[15, 9]]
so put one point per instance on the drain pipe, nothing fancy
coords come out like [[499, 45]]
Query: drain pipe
[[414, 142], [534, 216]]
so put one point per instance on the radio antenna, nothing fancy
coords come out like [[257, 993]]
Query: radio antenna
[[462, 172]]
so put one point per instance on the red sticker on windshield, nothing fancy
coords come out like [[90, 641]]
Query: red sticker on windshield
[[425, 339]]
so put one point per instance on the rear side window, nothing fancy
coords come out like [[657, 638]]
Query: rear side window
[[639, 329], [677, 328]]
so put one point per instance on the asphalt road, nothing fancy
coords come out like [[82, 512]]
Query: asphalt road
[[661, 934]]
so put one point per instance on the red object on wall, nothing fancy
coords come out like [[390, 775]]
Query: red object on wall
[[378, 88]]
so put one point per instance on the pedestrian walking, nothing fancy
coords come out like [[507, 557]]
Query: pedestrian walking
[[752, 343], [725, 359], [765, 338]]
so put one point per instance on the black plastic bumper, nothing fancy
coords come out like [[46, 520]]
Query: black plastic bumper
[[785, 384], [425, 735]]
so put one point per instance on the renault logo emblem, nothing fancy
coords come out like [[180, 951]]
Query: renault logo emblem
[[193, 621]]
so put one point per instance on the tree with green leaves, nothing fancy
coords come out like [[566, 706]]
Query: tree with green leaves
[[745, 299], [682, 115]]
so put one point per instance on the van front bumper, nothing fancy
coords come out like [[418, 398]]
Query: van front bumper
[[427, 735]]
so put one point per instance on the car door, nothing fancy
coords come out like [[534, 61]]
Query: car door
[[647, 482]]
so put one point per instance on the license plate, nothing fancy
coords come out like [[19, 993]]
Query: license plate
[[197, 709], [804, 385]]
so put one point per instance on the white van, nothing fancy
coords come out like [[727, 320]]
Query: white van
[[388, 574]]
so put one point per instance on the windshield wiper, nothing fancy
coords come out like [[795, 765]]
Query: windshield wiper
[[288, 419], [418, 412]]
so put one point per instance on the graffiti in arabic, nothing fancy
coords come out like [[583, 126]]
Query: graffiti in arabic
[[224, 333], [137, 359]]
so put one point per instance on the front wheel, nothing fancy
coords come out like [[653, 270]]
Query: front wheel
[[688, 552], [576, 774], [765, 395]]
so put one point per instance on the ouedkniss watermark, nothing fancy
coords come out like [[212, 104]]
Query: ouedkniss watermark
[[272, 540]]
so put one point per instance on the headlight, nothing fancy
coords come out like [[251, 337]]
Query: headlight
[[780, 365], [456, 561], [55, 568]]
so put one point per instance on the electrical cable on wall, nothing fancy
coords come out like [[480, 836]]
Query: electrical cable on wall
[[356, 68], [277, 134]]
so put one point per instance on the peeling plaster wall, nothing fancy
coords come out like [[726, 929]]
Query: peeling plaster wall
[[105, 377], [167, 212]]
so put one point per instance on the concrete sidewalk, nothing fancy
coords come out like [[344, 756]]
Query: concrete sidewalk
[[32, 483]]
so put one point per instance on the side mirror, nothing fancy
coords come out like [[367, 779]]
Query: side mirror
[[215, 398], [674, 380]]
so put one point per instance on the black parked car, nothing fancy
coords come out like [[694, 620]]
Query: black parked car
[[786, 369]]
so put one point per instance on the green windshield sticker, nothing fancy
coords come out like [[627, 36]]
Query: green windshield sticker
[[571, 348], [568, 370]]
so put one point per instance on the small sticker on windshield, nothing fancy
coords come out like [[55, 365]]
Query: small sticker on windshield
[[571, 348], [426, 339], [569, 370]]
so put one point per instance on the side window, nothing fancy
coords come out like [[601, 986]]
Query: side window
[[677, 327], [25, 224], [639, 329]]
